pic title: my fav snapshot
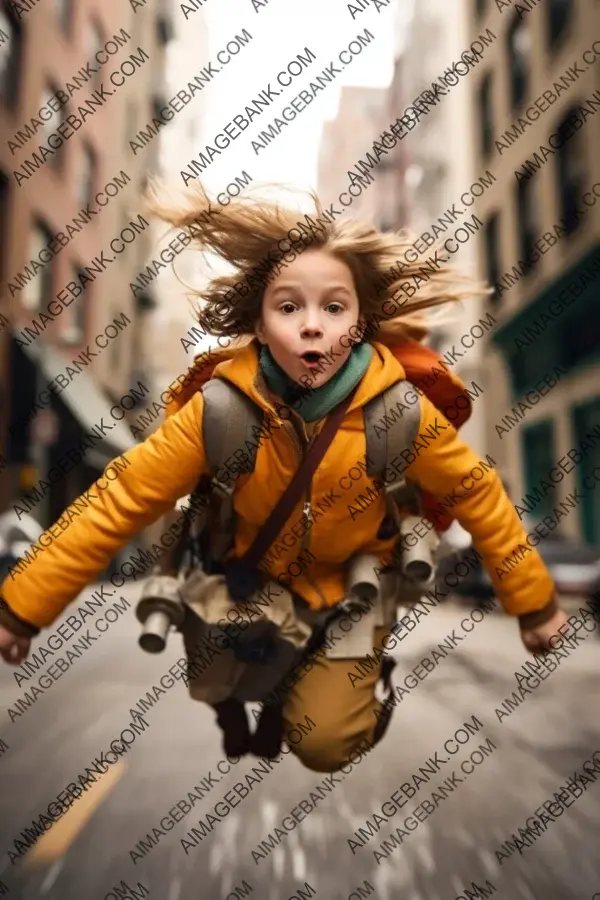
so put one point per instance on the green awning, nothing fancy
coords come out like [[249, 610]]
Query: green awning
[[561, 326]]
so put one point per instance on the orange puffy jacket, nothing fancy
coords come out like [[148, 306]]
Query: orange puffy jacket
[[169, 463], [422, 367]]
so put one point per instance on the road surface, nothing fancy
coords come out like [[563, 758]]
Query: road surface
[[457, 844]]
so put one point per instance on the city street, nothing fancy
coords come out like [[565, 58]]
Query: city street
[[537, 748]]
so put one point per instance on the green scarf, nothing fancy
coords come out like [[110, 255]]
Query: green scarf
[[312, 404]]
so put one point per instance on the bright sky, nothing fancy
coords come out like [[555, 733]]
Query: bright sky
[[281, 30]]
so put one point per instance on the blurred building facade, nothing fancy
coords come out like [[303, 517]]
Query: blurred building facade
[[537, 126], [390, 187], [427, 170], [187, 53], [346, 139], [81, 79], [438, 167]]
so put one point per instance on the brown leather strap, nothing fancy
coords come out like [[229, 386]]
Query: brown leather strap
[[297, 486]]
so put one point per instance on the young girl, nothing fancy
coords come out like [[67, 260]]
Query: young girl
[[317, 307]]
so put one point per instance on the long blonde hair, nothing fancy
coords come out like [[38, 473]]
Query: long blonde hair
[[251, 233]]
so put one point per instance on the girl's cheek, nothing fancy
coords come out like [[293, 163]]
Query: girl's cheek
[[347, 337]]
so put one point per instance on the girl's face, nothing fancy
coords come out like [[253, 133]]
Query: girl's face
[[307, 314]]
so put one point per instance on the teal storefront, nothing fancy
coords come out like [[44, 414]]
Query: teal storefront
[[533, 342]]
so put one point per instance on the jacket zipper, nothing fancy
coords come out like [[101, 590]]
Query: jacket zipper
[[301, 445], [306, 510]]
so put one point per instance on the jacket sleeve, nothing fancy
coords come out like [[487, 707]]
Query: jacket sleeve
[[425, 369], [78, 547], [446, 467]]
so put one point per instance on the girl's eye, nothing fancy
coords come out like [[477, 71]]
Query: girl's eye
[[287, 308], [334, 308]]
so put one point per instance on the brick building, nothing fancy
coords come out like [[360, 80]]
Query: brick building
[[77, 81]]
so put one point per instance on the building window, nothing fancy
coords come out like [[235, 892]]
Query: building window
[[164, 26], [4, 223], [486, 115], [539, 456], [5, 195], [519, 61], [64, 13], [49, 127], [115, 352], [439, 340], [87, 176], [137, 27], [559, 14], [585, 420], [11, 57], [94, 43], [526, 219], [527, 368], [570, 169], [73, 316], [491, 237], [130, 122], [158, 103], [38, 289], [192, 130], [581, 337], [125, 220]]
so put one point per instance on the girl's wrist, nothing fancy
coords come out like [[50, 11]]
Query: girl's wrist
[[539, 616], [14, 623]]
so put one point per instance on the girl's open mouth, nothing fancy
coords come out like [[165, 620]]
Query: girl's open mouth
[[312, 357]]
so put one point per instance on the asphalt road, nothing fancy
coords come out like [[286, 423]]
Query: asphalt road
[[536, 749]]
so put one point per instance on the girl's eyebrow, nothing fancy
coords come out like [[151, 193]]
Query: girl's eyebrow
[[284, 287], [295, 284], [337, 287]]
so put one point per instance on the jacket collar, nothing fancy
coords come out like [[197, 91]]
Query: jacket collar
[[243, 371]]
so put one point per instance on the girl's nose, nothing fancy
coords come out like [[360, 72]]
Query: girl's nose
[[312, 327]]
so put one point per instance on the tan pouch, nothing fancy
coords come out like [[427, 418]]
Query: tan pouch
[[213, 622]]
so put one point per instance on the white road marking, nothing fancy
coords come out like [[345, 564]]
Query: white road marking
[[175, 889], [425, 853], [52, 875], [279, 866], [298, 861]]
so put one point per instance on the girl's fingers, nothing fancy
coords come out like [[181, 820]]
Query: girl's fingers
[[16, 652], [531, 641], [21, 651], [8, 655]]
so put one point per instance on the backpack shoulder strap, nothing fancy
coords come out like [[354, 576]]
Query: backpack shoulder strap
[[228, 418], [390, 427], [227, 421]]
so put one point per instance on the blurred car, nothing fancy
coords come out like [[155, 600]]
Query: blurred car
[[574, 567], [17, 534]]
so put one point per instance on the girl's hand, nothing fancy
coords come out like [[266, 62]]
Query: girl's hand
[[13, 649], [536, 639]]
